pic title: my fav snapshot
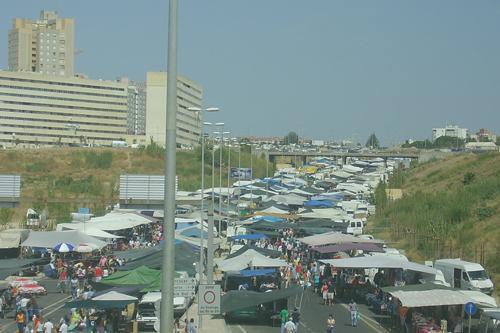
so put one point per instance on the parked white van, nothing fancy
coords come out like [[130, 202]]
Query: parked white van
[[465, 275], [146, 310], [355, 227]]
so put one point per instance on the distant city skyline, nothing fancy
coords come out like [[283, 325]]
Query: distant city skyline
[[326, 69]]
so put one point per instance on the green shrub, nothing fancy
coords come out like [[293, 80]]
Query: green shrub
[[484, 213], [38, 166]]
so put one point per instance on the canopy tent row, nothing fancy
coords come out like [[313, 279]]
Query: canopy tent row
[[333, 237], [379, 261], [249, 259], [49, 239], [109, 300]]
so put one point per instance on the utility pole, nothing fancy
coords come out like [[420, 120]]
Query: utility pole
[[168, 252]]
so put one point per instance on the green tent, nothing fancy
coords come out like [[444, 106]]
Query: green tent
[[140, 276]]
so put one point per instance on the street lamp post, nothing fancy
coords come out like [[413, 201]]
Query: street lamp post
[[200, 111], [221, 147], [210, 238], [168, 252]]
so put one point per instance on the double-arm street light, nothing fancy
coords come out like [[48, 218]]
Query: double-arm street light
[[200, 112], [221, 147]]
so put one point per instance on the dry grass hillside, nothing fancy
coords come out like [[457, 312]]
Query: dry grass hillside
[[61, 180], [450, 208]]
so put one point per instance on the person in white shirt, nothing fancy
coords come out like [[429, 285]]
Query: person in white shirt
[[63, 328], [290, 326], [48, 327]]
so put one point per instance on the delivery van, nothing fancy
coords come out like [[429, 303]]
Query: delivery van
[[149, 306], [465, 275], [355, 227]]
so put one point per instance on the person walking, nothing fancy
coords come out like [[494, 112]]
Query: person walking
[[353, 309], [20, 321], [290, 326], [191, 326], [330, 324], [331, 293], [296, 318], [2, 307], [283, 317], [324, 292], [48, 327]]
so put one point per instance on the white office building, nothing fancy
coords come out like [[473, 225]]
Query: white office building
[[44, 46], [42, 110], [189, 94], [451, 131]]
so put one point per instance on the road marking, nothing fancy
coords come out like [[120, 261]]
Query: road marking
[[242, 329], [48, 313], [366, 319]]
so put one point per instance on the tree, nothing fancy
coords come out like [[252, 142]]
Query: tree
[[291, 138], [5, 216], [372, 141]]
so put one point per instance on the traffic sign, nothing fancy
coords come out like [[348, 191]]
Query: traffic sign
[[470, 308], [184, 287], [209, 299]]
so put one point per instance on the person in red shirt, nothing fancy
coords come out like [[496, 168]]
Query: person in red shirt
[[98, 273]]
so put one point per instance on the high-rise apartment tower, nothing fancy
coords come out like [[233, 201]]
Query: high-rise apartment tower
[[45, 45]]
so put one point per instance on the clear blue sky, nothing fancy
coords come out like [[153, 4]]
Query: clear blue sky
[[323, 68]]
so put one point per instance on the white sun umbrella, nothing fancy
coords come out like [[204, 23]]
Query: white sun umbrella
[[86, 248]]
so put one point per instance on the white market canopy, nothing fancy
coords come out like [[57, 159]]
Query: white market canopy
[[332, 237], [323, 213], [118, 221], [288, 199], [114, 296], [85, 228], [248, 259], [49, 239], [435, 297], [379, 261], [272, 210]]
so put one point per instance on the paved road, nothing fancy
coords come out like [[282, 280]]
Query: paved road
[[313, 319], [51, 305]]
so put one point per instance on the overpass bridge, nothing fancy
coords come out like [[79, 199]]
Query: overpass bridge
[[385, 155]]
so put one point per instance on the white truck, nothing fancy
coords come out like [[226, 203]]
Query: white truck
[[465, 275], [149, 306]]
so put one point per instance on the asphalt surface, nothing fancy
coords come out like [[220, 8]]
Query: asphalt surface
[[313, 316], [51, 305]]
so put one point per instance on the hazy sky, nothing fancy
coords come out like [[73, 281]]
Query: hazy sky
[[323, 68]]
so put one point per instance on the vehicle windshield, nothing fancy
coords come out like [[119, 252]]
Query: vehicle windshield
[[478, 275], [146, 310]]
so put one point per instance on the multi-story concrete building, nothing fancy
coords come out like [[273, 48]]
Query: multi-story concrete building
[[45, 45], [136, 117], [189, 94], [37, 109], [451, 131]]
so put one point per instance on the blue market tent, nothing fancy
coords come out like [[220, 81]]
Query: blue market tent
[[257, 272], [267, 218], [318, 203], [248, 237]]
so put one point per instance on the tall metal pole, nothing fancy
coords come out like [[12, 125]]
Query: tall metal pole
[[228, 176], [267, 170], [251, 177], [168, 259], [200, 269], [220, 179], [239, 179], [210, 237]]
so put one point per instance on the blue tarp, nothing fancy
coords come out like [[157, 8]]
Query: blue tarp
[[267, 218], [257, 272], [318, 203], [194, 232], [248, 236]]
